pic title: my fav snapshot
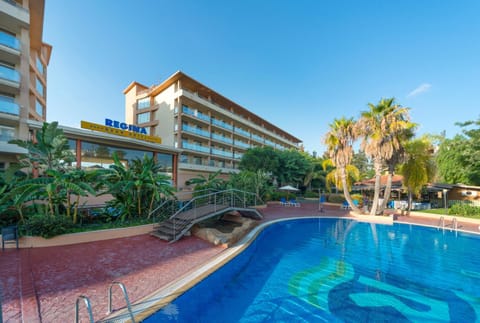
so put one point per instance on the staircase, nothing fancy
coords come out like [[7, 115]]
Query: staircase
[[206, 206]]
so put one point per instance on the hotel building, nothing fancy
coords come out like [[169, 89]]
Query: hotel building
[[212, 131], [24, 58]]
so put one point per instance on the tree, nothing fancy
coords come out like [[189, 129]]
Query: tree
[[458, 159], [136, 186], [265, 159], [210, 182], [50, 150], [339, 140], [293, 165], [418, 168], [363, 164], [384, 129], [334, 176], [258, 182], [314, 172]]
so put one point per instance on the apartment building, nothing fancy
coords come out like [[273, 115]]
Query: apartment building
[[24, 58], [212, 131]]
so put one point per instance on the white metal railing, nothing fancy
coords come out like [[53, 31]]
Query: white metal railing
[[215, 201]]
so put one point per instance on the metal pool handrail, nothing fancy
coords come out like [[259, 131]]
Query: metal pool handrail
[[124, 290]]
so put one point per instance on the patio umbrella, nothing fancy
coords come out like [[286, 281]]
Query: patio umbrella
[[288, 189]]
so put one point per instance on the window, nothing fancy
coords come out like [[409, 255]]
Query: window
[[2, 167], [8, 104], [40, 66], [143, 103], [143, 117], [7, 133], [39, 108], [99, 155], [39, 87]]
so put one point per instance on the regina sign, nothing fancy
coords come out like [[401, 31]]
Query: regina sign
[[121, 129]]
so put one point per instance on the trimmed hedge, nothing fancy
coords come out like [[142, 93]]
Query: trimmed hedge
[[464, 209]]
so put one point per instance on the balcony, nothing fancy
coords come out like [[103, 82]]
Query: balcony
[[11, 13], [9, 77], [219, 152], [9, 106], [241, 144], [222, 124], [237, 155], [242, 132], [9, 48], [196, 131], [195, 147], [197, 114], [218, 137], [258, 138]]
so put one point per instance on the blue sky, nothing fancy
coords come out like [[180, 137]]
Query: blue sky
[[298, 64]]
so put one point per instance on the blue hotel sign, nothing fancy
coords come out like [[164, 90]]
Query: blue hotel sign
[[121, 129], [125, 126]]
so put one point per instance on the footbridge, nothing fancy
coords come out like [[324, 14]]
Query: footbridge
[[205, 206]]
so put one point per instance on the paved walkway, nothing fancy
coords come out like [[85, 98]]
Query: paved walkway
[[42, 284]]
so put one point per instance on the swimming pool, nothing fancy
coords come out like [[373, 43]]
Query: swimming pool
[[313, 270]]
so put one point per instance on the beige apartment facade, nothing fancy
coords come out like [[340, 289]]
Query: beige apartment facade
[[212, 131], [24, 58]]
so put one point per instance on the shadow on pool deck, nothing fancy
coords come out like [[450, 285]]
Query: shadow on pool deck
[[42, 284]]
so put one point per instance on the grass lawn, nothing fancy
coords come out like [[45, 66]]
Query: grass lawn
[[442, 212]]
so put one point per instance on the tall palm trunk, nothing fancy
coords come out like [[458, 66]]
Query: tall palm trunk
[[348, 197], [388, 190], [377, 165]]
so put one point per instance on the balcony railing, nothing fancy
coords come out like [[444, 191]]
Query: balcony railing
[[242, 144], [195, 113], [219, 152], [237, 155], [242, 132], [15, 4], [196, 147], [10, 74], [222, 138], [258, 138], [222, 124], [195, 130], [9, 40], [8, 106]]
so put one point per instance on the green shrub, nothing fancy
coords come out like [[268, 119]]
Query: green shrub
[[335, 198], [464, 209], [311, 194], [46, 226]]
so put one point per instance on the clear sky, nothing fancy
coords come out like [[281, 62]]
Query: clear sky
[[298, 64]]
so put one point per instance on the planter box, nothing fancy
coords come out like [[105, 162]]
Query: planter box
[[82, 237]]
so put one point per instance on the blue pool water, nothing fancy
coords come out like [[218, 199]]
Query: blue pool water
[[333, 270]]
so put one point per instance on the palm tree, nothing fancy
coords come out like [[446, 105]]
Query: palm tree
[[211, 182], [334, 176], [418, 168], [136, 186], [49, 151], [339, 141], [384, 128]]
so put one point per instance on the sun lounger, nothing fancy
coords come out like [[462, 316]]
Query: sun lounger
[[294, 202]]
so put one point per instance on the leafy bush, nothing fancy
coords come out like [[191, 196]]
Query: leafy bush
[[464, 209], [311, 194], [46, 226], [335, 198]]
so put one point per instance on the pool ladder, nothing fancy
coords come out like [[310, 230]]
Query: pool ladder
[[454, 225], [89, 307]]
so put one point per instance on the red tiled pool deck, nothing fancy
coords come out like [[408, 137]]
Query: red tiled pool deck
[[42, 284]]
